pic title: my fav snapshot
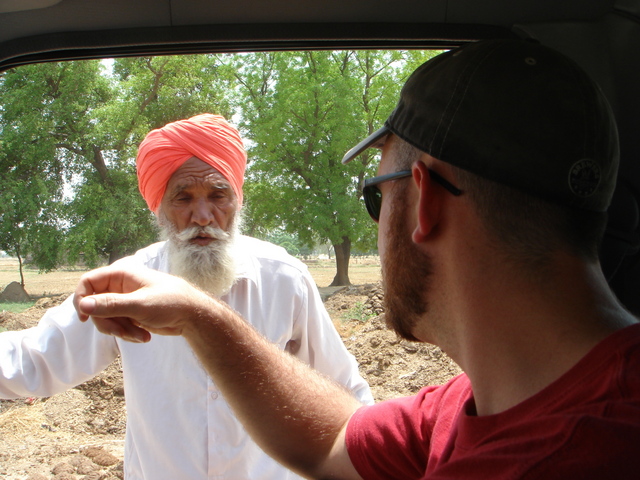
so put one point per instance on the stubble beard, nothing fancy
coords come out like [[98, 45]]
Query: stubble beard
[[211, 267], [406, 273]]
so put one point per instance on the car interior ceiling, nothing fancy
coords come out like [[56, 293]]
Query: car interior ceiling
[[603, 36]]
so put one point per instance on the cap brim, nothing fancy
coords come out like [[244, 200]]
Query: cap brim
[[366, 143]]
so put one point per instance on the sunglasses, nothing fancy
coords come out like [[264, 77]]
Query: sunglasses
[[373, 196]]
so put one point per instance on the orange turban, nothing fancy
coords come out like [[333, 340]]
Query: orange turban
[[208, 137]]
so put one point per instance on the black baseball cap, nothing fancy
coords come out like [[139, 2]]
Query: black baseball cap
[[515, 112]]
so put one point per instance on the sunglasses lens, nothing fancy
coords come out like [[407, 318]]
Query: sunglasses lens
[[373, 201]]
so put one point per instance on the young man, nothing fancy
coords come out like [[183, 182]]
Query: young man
[[497, 168], [179, 426]]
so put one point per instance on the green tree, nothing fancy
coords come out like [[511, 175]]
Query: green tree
[[69, 134], [28, 221], [41, 115], [69, 137], [302, 111]]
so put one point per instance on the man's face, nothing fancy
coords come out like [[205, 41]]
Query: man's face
[[197, 195], [199, 220], [406, 270]]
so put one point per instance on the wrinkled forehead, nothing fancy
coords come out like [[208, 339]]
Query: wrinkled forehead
[[196, 172]]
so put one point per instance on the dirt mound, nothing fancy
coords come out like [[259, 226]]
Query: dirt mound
[[14, 292], [79, 434]]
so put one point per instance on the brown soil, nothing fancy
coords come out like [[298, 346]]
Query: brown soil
[[393, 367], [79, 434]]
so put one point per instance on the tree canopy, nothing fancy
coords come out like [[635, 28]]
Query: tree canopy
[[302, 111], [69, 133]]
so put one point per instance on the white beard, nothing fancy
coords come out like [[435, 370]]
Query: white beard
[[212, 267]]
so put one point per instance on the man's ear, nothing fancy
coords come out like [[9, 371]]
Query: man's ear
[[428, 203]]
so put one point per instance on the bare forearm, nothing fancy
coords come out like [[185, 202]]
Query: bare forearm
[[293, 412]]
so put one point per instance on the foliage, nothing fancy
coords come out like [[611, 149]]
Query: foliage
[[302, 111], [69, 137], [69, 134], [43, 107], [289, 242]]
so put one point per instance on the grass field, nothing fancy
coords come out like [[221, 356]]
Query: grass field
[[361, 270]]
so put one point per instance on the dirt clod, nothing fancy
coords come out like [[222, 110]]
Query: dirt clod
[[62, 468]]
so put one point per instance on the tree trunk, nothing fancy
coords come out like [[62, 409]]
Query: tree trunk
[[20, 263], [100, 165], [114, 255], [343, 253]]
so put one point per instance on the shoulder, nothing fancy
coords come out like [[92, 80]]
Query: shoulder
[[263, 250], [431, 401], [254, 253], [152, 256], [416, 416]]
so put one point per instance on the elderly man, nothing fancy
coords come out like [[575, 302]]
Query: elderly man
[[497, 167], [179, 426]]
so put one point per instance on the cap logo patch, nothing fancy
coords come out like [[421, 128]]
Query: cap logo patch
[[584, 177]]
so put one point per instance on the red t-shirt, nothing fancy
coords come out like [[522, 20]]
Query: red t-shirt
[[584, 425]]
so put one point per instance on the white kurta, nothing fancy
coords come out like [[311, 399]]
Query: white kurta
[[178, 424]]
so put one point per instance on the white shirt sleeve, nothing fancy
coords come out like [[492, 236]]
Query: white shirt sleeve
[[319, 344], [57, 354]]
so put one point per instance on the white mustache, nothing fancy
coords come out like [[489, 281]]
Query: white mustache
[[190, 233]]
